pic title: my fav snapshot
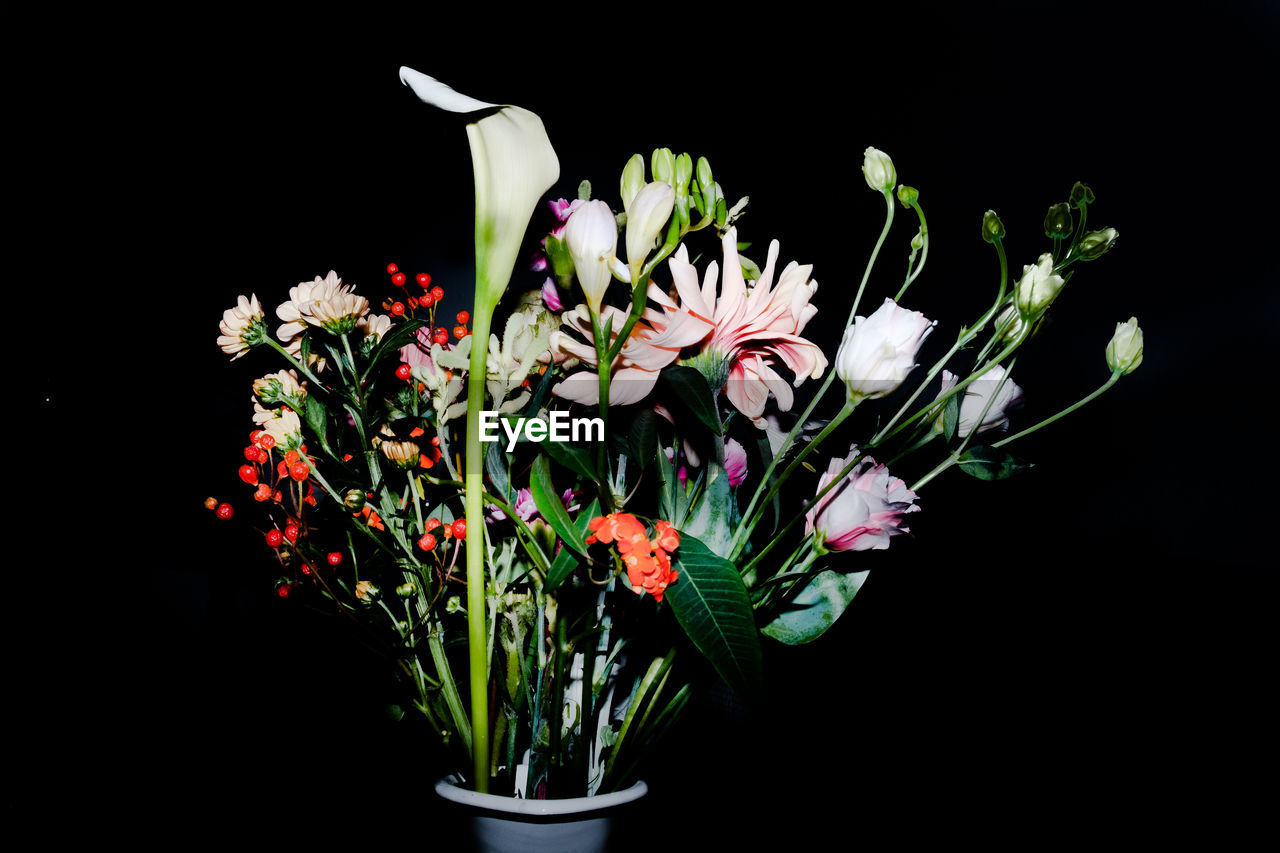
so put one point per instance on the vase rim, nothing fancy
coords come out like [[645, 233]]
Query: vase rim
[[450, 788]]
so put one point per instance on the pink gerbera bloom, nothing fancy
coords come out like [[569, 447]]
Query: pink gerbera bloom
[[754, 329]]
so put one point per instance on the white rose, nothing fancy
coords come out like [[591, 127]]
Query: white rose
[[879, 351]]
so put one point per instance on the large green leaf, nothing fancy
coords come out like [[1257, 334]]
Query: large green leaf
[[547, 499], [816, 608], [394, 340], [712, 606], [574, 457], [643, 444], [692, 392], [988, 463], [566, 561]]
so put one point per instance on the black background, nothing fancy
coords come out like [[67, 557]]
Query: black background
[[1072, 653]]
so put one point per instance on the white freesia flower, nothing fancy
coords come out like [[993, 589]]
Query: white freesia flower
[[647, 217], [514, 166], [1124, 351], [879, 351], [1038, 287], [242, 327], [591, 235], [976, 396], [878, 169]]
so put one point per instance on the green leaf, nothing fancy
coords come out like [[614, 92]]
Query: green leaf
[[566, 561], [392, 341], [547, 499], [951, 416], [495, 464], [816, 608], [690, 388], [712, 606], [988, 463], [644, 438], [574, 457], [317, 420], [711, 518]]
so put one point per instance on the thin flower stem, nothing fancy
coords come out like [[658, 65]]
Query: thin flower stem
[[604, 365], [966, 335], [740, 537], [924, 254], [297, 365], [1115, 376]]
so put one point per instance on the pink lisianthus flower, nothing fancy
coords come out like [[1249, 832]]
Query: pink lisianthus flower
[[735, 462], [864, 511], [754, 329], [654, 343]]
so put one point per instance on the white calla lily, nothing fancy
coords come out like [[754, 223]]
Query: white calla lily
[[514, 166]]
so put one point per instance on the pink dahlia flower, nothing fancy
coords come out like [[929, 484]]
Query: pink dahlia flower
[[754, 329], [863, 512]]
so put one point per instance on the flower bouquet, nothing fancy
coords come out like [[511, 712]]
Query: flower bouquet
[[550, 508]]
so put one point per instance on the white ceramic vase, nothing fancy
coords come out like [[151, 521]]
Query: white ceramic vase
[[509, 824]]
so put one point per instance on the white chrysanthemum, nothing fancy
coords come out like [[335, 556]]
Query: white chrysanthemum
[[338, 313], [294, 311], [242, 327], [374, 325], [281, 424], [280, 387]]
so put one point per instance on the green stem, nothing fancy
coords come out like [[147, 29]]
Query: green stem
[[1044, 423], [924, 254], [449, 688], [739, 540], [604, 365], [477, 633]]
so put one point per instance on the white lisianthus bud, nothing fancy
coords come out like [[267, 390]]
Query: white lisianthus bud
[[1124, 352], [646, 218], [878, 169], [591, 235], [1038, 287], [879, 351], [1095, 244]]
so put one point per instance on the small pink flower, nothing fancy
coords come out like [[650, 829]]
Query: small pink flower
[[864, 511], [551, 296], [735, 462]]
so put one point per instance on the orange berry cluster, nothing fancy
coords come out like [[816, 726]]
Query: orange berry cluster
[[648, 561]]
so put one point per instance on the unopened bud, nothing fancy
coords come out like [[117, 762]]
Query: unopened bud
[[1057, 222], [632, 180], [353, 499], [406, 589], [1095, 244], [992, 227], [878, 169], [704, 174], [366, 592], [1124, 352], [1038, 287], [908, 195], [650, 210], [1081, 195], [917, 242], [663, 165], [684, 174]]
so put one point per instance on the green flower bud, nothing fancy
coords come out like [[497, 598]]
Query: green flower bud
[[1081, 195], [1095, 244], [406, 589], [1057, 222], [584, 191], [454, 605], [684, 174], [1124, 352], [632, 180], [908, 195], [917, 242], [992, 227], [353, 499], [704, 174], [663, 165]]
